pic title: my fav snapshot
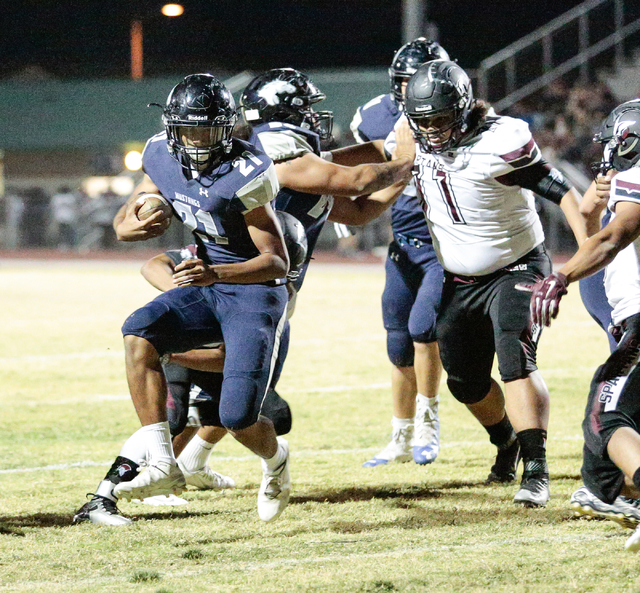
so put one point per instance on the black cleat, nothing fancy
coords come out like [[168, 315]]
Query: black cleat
[[534, 488], [101, 511], [506, 465]]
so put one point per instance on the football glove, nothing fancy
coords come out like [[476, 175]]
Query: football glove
[[545, 298]]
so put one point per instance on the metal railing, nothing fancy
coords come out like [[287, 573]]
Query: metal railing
[[544, 37]]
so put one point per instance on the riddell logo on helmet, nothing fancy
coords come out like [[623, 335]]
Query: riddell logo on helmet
[[197, 117], [424, 108]]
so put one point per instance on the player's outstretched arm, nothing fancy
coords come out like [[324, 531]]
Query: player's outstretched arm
[[126, 223], [363, 209], [358, 154], [271, 264], [596, 253], [313, 175]]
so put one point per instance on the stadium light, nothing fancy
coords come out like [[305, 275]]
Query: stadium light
[[133, 160], [172, 9], [137, 59]]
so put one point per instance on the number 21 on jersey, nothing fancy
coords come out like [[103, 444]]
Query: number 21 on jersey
[[191, 220]]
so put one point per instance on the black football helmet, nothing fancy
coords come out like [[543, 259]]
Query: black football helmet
[[286, 95], [622, 151], [295, 240], [605, 133], [407, 60], [439, 99], [199, 118]]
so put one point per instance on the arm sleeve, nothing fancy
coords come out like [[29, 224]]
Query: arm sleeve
[[520, 163]]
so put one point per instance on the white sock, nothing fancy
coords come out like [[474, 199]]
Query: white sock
[[432, 402], [135, 447], [275, 461], [195, 455], [158, 440], [400, 423]]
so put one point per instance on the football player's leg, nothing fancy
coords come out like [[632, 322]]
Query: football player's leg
[[193, 457], [465, 337], [427, 365], [526, 394], [397, 299], [175, 321], [252, 339]]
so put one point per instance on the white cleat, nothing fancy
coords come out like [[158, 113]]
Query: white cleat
[[426, 441], [158, 478], [633, 542], [397, 451], [207, 479], [275, 488], [100, 511]]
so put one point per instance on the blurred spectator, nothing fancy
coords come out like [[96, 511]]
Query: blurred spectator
[[64, 210], [100, 212], [13, 212], [35, 217]]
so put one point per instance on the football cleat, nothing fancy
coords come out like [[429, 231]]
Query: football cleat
[[426, 440], [397, 451], [624, 511], [207, 479], [157, 478], [275, 488], [633, 542], [506, 464], [534, 487], [100, 511]]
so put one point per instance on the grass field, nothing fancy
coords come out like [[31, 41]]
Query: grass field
[[65, 413]]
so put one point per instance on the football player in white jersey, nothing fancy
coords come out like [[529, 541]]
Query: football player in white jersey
[[476, 173], [611, 425]]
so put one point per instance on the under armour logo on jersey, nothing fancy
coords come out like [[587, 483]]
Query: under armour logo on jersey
[[203, 192], [394, 256]]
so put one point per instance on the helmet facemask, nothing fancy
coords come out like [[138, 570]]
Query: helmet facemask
[[440, 131], [201, 145]]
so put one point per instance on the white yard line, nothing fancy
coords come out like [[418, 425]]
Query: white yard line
[[295, 454]]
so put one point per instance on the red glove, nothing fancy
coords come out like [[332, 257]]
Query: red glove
[[545, 298]]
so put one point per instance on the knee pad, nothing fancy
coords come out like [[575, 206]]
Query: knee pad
[[144, 318], [400, 348], [240, 409], [468, 391]]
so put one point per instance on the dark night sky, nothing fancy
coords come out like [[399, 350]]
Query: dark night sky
[[91, 39]]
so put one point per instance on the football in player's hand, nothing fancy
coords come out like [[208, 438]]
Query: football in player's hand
[[152, 203]]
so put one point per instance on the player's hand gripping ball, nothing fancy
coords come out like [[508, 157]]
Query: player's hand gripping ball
[[152, 203]]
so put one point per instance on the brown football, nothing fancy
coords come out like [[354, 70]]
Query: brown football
[[152, 203]]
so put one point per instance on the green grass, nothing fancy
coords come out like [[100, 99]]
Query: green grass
[[348, 529]]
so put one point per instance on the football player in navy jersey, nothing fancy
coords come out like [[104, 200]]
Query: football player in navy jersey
[[413, 283], [233, 291], [314, 185]]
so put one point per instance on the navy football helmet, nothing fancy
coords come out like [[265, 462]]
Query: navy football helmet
[[605, 133], [286, 95], [295, 240], [199, 118], [438, 101], [407, 60], [622, 151]]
